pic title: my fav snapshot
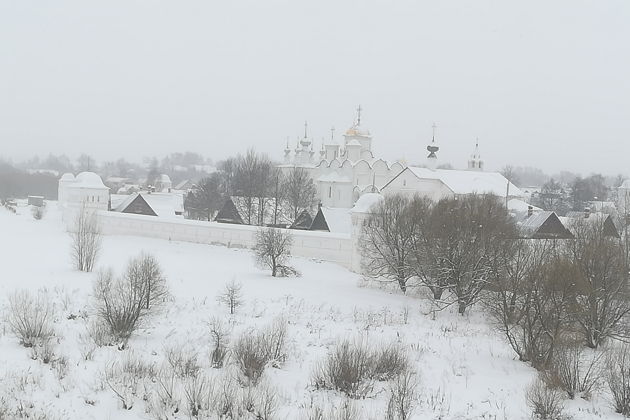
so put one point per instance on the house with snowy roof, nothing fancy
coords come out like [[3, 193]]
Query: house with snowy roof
[[574, 219], [149, 204], [542, 225]]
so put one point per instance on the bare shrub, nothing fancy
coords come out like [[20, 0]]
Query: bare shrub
[[183, 361], [389, 362], [124, 378], [352, 367], [348, 368], [618, 377], [573, 372], [123, 303], [273, 251], [545, 403], [30, 317], [254, 351], [231, 296], [403, 396], [196, 391], [165, 401], [43, 351], [86, 239], [38, 212], [220, 339]]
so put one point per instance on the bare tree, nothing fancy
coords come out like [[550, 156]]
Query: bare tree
[[463, 237], [602, 300], [273, 250], [86, 239], [30, 318], [299, 190], [145, 274], [387, 240], [232, 296]]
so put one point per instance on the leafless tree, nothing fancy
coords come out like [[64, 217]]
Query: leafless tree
[[403, 396], [232, 296], [220, 338], [463, 237], [273, 250], [603, 299], [86, 239], [387, 240], [299, 190], [145, 274]]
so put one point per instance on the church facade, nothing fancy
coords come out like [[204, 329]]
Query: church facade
[[342, 172]]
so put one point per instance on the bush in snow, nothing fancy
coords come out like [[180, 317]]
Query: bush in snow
[[347, 410], [573, 371], [273, 250], [38, 212], [232, 297], [86, 240], [122, 303], [30, 318], [352, 367], [403, 396], [254, 351], [545, 402], [183, 362], [220, 337], [618, 377]]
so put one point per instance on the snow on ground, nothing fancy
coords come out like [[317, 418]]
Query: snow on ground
[[466, 371]]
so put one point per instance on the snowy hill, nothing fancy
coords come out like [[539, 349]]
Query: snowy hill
[[464, 368]]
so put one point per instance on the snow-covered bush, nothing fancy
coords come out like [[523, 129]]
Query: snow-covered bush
[[389, 362], [183, 361], [348, 368], [232, 297], [618, 377], [30, 317], [403, 396], [123, 303], [545, 402], [253, 351], [352, 367]]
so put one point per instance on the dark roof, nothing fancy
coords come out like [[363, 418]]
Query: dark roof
[[136, 205], [303, 221], [319, 222], [543, 225], [229, 214], [611, 228]]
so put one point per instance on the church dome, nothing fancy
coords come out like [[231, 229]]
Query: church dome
[[357, 130], [67, 177]]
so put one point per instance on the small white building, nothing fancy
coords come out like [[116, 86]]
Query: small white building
[[86, 188]]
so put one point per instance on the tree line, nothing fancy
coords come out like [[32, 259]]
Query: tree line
[[468, 250], [262, 192]]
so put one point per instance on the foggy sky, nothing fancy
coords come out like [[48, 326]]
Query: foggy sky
[[542, 83]]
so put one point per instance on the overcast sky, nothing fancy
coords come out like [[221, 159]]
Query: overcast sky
[[542, 83]]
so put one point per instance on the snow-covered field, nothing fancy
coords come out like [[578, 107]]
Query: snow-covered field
[[465, 369]]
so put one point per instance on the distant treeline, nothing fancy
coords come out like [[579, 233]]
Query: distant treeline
[[15, 183]]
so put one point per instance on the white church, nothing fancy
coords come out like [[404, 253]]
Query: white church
[[344, 172]]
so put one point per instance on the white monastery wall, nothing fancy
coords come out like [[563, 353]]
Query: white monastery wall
[[326, 246]]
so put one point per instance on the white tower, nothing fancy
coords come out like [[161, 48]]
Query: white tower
[[475, 163]]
